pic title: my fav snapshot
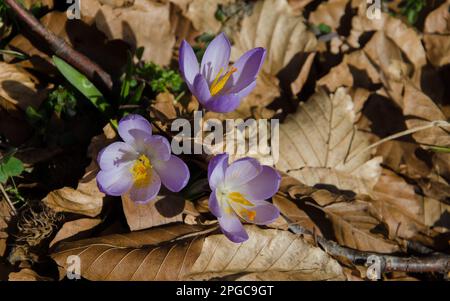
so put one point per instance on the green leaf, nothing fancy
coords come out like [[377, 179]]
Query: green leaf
[[324, 28], [82, 84], [12, 167], [3, 176]]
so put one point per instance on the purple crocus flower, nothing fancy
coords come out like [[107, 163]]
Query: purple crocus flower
[[139, 164], [216, 86], [239, 190]]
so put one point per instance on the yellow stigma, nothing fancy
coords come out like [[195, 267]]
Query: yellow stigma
[[141, 171], [219, 82]]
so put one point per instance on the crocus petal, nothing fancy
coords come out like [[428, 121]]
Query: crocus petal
[[263, 212], [263, 186], [266, 213], [214, 205], [134, 125], [216, 57], [157, 148], [189, 67], [223, 103], [241, 171], [174, 173], [201, 89], [232, 228], [147, 193], [216, 170], [116, 155], [247, 67], [116, 181], [247, 90]]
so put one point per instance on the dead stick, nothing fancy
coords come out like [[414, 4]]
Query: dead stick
[[62, 49], [439, 263]]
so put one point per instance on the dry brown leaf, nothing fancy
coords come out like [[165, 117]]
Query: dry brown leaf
[[438, 21], [199, 257], [438, 49], [5, 216], [27, 274], [87, 198], [19, 89], [134, 256], [354, 225], [329, 13], [419, 110], [320, 144], [143, 23], [72, 228], [274, 26], [202, 13], [402, 209], [165, 209]]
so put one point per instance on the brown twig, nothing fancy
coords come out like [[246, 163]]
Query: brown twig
[[62, 49], [438, 263]]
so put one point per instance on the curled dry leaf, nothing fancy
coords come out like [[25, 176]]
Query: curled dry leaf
[[274, 25], [27, 274], [73, 228], [87, 198], [202, 13], [5, 216], [352, 222], [402, 209], [199, 257], [420, 110], [141, 23], [19, 89], [320, 144], [167, 208], [329, 13]]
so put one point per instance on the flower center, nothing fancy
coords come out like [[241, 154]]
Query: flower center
[[237, 197], [220, 82], [141, 170]]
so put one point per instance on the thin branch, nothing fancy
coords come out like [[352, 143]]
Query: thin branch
[[62, 49], [431, 124], [439, 263]]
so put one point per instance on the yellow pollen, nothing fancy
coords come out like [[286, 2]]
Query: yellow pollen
[[219, 82], [237, 197], [141, 171], [250, 214]]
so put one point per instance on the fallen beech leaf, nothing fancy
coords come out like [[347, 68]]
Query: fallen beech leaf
[[87, 198], [438, 21], [141, 24], [329, 13], [134, 256], [19, 89], [27, 274], [274, 26], [419, 110], [438, 49], [72, 228], [167, 208], [320, 144], [202, 13], [401, 208], [198, 257], [354, 225], [5, 216]]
